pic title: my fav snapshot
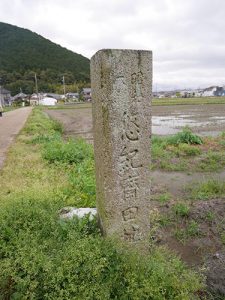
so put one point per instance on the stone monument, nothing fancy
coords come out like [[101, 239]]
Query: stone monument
[[121, 82]]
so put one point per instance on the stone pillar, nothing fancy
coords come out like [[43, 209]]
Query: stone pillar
[[121, 93]]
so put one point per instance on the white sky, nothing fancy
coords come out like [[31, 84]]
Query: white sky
[[187, 37]]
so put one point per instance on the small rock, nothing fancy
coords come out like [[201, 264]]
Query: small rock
[[70, 212]]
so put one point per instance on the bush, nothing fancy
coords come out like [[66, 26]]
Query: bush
[[185, 137]]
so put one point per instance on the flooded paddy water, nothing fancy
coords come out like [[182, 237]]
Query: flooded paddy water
[[166, 120], [202, 119]]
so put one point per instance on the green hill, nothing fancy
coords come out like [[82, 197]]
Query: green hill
[[24, 53]]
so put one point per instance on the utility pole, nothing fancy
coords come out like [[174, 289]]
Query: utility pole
[[36, 86], [64, 87], [1, 102]]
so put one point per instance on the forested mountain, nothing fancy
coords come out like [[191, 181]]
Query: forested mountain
[[24, 53]]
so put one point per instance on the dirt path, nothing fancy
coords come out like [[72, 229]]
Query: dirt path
[[10, 125]]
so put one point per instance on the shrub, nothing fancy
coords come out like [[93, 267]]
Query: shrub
[[185, 137]]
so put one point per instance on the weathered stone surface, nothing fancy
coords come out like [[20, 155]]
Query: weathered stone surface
[[121, 93]]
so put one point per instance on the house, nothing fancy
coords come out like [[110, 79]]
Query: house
[[187, 93], [36, 98], [86, 93], [198, 93], [20, 97], [210, 91], [53, 95], [72, 96], [219, 91], [5, 97], [49, 101]]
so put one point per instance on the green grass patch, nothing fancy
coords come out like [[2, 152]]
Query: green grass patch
[[162, 198], [181, 209], [188, 101], [206, 190], [188, 152], [70, 152], [43, 257]]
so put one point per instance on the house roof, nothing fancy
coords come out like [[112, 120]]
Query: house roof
[[73, 94], [52, 95], [87, 90], [20, 95], [4, 91], [210, 88]]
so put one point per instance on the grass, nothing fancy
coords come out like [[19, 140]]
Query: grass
[[208, 189], [188, 101], [9, 108], [43, 257], [188, 152], [181, 209], [162, 198], [190, 230]]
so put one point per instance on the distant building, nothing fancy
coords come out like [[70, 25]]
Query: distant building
[[86, 93], [5, 97], [36, 98], [20, 97], [213, 91], [48, 101], [55, 96], [72, 96]]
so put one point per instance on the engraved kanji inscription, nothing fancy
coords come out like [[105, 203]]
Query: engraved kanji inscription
[[132, 232], [130, 213]]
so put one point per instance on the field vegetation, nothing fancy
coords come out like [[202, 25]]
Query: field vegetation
[[188, 152], [45, 257], [190, 101]]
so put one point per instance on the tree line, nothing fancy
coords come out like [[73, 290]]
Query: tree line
[[48, 81]]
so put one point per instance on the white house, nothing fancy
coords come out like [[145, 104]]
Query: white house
[[209, 92], [48, 101]]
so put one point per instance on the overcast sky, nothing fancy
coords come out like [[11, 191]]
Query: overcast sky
[[187, 37]]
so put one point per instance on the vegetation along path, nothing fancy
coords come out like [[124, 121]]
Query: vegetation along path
[[10, 125]]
